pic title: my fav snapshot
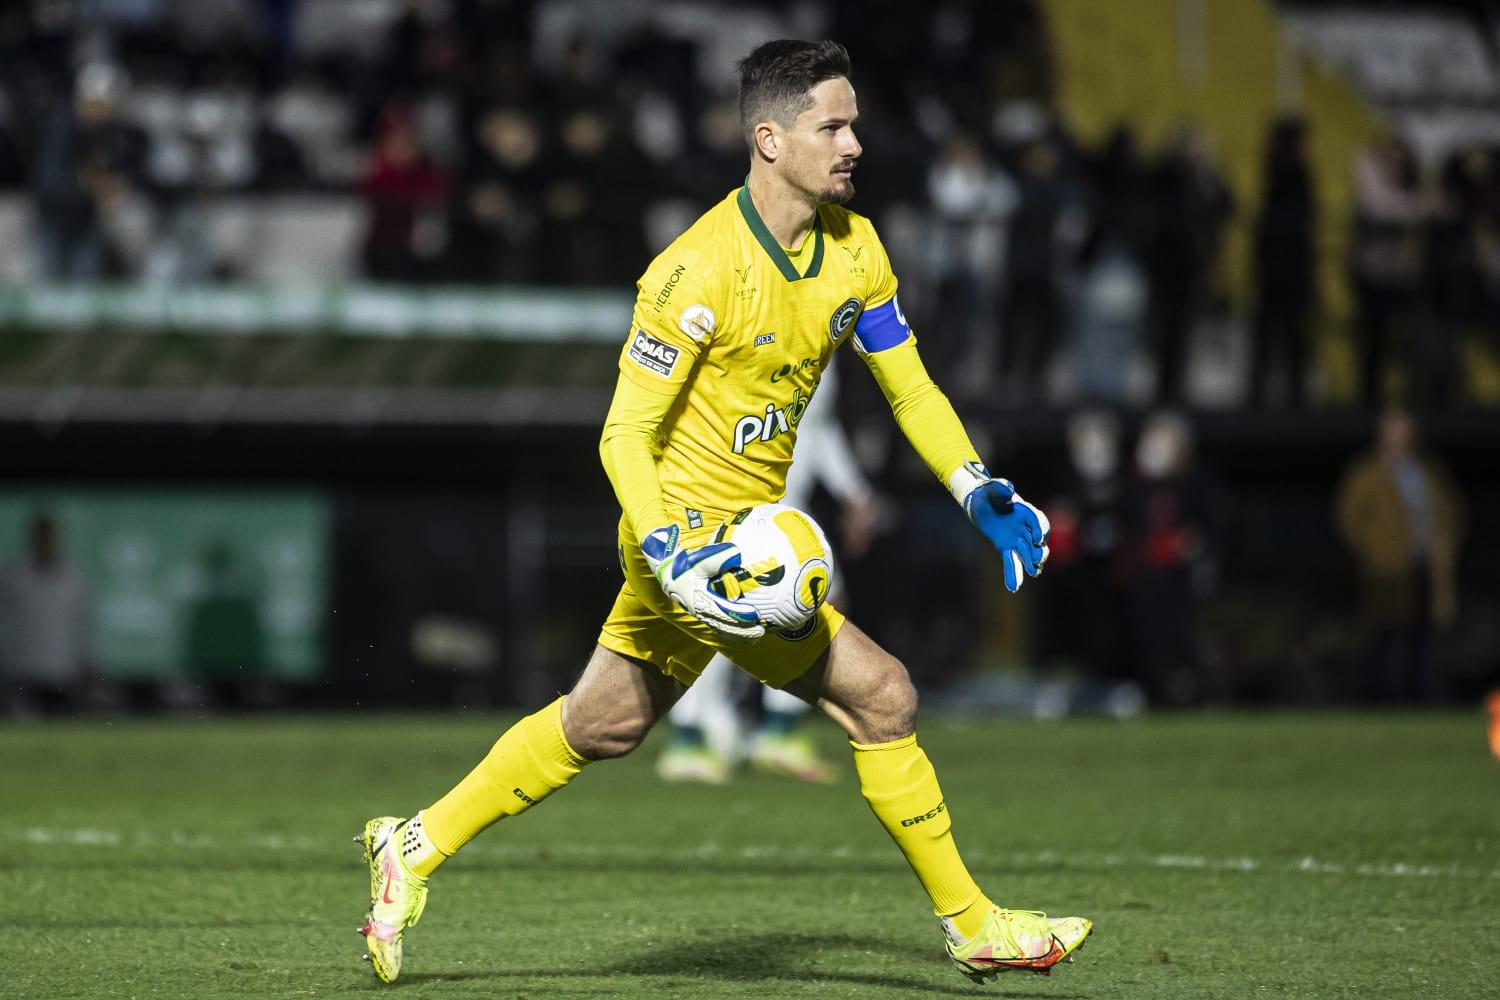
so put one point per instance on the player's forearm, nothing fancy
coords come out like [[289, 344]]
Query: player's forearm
[[628, 450], [923, 412]]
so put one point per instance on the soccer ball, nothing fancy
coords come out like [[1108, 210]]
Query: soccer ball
[[786, 566]]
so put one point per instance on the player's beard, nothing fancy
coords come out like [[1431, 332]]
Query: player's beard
[[837, 193], [824, 190]]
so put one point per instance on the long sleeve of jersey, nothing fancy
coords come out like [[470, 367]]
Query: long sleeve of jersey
[[628, 449], [922, 412]]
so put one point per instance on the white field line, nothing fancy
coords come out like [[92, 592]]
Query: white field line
[[92, 837]]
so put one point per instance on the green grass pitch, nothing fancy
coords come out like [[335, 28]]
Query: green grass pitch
[[1236, 856]]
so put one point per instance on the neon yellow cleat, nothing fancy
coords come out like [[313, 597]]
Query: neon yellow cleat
[[1017, 939], [791, 755], [692, 763], [397, 897]]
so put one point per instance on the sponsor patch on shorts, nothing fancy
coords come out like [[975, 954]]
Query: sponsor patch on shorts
[[652, 354]]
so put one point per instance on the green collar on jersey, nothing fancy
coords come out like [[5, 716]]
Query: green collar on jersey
[[772, 247]]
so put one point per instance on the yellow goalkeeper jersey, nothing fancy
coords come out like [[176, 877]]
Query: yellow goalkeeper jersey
[[739, 330]]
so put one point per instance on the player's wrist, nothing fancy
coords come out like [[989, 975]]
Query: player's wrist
[[659, 545], [972, 480]]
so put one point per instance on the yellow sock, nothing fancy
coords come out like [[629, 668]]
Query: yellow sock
[[898, 781], [529, 762]]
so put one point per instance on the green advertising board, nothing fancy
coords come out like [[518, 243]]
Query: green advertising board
[[191, 583]]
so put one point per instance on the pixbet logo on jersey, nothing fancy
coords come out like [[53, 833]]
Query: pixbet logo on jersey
[[776, 420]]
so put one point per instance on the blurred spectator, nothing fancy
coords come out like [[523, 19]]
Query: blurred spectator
[[1038, 252], [1284, 264], [971, 199], [496, 216], [1193, 203], [1402, 516], [1172, 525], [1085, 572], [46, 626], [87, 161], [1390, 210], [598, 184], [1111, 318], [404, 189], [1462, 298], [1124, 203]]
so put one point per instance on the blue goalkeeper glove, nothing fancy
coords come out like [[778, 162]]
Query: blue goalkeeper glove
[[1017, 529], [684, 574]]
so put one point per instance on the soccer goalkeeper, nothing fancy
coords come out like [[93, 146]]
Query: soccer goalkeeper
[[734, 325]]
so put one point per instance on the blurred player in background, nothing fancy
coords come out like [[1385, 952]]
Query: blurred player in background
[[708, 730], [735, 324]]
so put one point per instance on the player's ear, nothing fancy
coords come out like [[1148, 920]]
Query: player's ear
[[767, 142]]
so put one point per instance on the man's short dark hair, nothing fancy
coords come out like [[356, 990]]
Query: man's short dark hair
[[776, 78]]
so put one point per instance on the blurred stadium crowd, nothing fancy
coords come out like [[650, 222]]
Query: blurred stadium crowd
[[481, 141], [1082, 281]]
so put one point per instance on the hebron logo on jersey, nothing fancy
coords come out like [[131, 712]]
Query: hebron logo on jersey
[[652, 354], [667, 289], [774, 421]]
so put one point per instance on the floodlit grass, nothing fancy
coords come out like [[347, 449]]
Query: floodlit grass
[[1220, 856]]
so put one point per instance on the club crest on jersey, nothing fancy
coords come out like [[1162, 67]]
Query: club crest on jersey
[[652, 354], [843, 318]]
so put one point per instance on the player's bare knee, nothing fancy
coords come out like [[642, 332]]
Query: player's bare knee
[[897, 704], [888, 710], [611, 738]]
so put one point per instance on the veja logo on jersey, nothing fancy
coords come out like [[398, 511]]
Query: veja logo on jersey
[[788, 370], [652, 354], [774, 421], [843, 318]]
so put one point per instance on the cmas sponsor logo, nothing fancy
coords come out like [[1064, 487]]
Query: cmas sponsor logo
[[775, 421], [695, 517], [652, 354], [843, 318]]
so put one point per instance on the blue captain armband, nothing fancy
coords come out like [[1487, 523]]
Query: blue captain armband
[[881, 327]]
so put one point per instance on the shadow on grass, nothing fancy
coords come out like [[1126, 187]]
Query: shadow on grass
[[756, 958]]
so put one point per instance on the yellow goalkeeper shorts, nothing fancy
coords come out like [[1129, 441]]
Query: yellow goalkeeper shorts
[[647, 625]]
